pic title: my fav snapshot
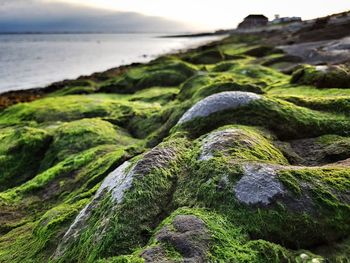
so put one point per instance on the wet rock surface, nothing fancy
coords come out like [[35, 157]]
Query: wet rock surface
[[218, 102], [259, 185], [219, 141], [189, 237], [115, 185], [328, 51]]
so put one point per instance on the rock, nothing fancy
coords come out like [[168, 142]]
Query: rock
[[219, 141], [334, 76], [258, 185], [218, 102], [328, 51], [116, 184], [207, 57], [187, 234]]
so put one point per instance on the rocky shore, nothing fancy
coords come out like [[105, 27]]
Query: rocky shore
[[237, 151]]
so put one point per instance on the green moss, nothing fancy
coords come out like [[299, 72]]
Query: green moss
[[285, 119], [76, 87], [262, 51], [229, 243], [21, 151], [201, 86], [329, 77], [206, 57], [75, 107], [246, 144], [72, 169], [338, 104], [161, 73], [56, 151], [162, 95], [337, 253], [77, 136], [142, 208]]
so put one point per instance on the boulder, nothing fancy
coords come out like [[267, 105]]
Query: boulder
[[259, 185], [218, 102], [187, 234], [112, 191]]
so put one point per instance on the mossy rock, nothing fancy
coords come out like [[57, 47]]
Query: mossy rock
[[73, 87], [323, 76], [262, 51], [136, 195], [286, 205], [167, 73], [271, 60], [21, 151], [240, 143], [77, 136], [207, 57], [285, 119], [203, 85]]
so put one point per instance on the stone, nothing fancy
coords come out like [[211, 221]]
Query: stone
[[116, 184], [220, 141], [188, 235], [219, 102], [259, 185]]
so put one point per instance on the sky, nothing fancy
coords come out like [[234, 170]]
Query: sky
[[191, 15], [213, 14]]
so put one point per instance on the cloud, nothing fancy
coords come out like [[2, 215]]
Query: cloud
[[43, 16]]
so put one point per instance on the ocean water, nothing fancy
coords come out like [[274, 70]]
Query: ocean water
[[36, 60]]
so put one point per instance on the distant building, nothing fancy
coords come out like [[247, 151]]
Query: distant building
[[283, 20], [253, 21]]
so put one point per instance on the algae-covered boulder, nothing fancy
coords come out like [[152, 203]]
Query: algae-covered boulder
[[240, 143], [130, 201], [166, 73], [218, 102], [77, 136], [204, 85], [198, 235], [261, 51], [206, 57], [188, 235], [337, 76], [21, 152]]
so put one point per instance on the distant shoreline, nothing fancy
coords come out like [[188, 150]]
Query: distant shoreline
[[102, 33], [10, 97]]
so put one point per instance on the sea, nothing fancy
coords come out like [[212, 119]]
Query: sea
[[37, 60]]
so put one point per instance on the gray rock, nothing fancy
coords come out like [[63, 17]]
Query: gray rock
[[222, 141], [218, 102], [115, 185], [188, 235], [327, 51], [259, 185]]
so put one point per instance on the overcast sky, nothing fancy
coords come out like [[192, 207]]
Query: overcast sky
[[196, 14]]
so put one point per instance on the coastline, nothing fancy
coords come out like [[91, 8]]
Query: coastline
[[234, 150], [11, 97]]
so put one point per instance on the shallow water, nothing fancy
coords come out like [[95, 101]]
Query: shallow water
[[36, 60]]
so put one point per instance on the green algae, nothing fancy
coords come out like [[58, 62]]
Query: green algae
[[57, 151], [245, 144], [285, 119], [21, 151], [141, 210], [167, 73], [77, 136], [328, 77], [201, 86]]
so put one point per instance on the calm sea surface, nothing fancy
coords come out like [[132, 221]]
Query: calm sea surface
[[29, 61]]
